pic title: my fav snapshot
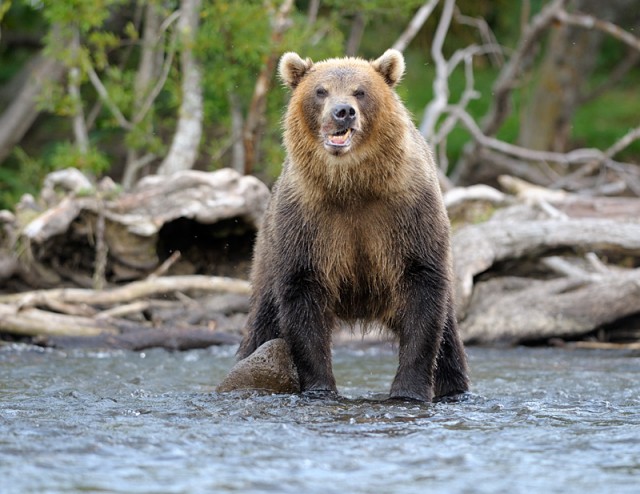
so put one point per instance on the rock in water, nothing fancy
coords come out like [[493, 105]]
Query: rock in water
[[269, 368]]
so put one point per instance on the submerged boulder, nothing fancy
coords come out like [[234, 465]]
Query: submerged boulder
[[269, 368]]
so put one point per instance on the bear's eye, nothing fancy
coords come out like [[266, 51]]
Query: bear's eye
[[359, 93], [322, 92]]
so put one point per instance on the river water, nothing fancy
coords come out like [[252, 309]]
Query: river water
[[538, 420]]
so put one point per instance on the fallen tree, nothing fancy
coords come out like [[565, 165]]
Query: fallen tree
[[530, 264], [81, 235], [156, 312], [547, 265], [86, 265]]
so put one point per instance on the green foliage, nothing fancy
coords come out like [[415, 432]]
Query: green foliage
[[84, 15], [228, 50], [602, 121], [67, 155], [100, 43], [234, 41], [4, 8], [21, 179], [54, 99]]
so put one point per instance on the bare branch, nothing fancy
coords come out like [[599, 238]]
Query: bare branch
[[622, 143], [469, 92], [358, 24], [20, 113], [414, 26], [521, 58], [606, 158], [101, 248], [615, 76], [486, 35], [166, 24], [591, 22], [312, 12], [133, 167], [576, 156], [104, 96], [184, 148], [447, 126], [440, 85], [166, 68], [80, 131], [124, 294]]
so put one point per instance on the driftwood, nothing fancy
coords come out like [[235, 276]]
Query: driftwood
[[503, 309], [549, 264], [80, 238], [127, 293], [96, 318], [479, 247], [84, 235], [143, 338], [530, 264]]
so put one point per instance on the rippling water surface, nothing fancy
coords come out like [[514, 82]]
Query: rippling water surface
[[538, 420]]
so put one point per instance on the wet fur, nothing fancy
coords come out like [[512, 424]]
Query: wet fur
[[361, 236]]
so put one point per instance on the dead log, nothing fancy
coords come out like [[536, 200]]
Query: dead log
[[8, 266], [540, 265], [70, 331], [210, 217], [517, 310], [474, 204], [129, 292], [72, 317], [604, 345], [37, 322], [476, 248], [571, 204], [144, 338]]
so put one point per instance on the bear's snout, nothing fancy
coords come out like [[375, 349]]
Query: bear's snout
[[343, 115], [341, 122]]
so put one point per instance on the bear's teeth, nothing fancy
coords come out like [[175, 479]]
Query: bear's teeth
[[340, 139]]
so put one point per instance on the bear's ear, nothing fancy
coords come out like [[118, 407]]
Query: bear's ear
[[390, 66], [292, 68]]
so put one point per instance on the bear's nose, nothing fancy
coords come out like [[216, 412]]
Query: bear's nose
[[343, 113]]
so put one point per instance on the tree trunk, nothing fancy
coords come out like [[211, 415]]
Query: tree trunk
[[145, 77], [255, 118], [237, 125], [20, 114], [184, 148], [312, 12], [80, 132], [569, 61], [355, 35]]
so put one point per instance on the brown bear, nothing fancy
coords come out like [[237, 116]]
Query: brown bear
[[356, 230]]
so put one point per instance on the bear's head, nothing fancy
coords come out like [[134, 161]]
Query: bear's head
[[344, 106]]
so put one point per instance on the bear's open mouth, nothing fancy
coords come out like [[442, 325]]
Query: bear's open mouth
[[341, 138]]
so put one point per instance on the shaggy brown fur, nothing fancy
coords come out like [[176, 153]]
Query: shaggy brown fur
[[356, 230]]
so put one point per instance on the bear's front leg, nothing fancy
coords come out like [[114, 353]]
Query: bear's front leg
[[307, 324], [262, 323], [419, 325]]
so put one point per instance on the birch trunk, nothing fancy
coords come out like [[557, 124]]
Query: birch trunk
[[184, 148], [148, 71], [80, 132]]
